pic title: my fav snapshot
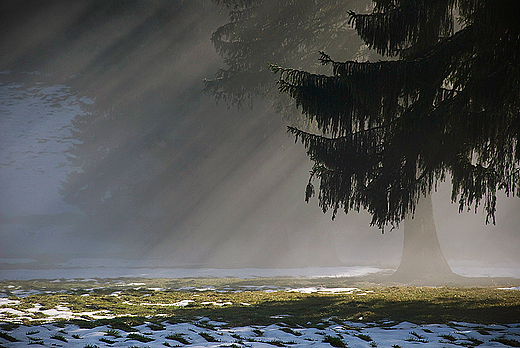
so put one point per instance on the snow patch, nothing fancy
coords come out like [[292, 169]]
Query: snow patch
[[8, 302], [324, 290], [220, 304]]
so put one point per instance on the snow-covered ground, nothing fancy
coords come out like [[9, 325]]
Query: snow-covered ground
[[204, 333]]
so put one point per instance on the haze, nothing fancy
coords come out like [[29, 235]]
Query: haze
[[109, 149]]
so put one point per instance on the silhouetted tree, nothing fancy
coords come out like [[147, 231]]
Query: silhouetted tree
[[446, 102], [288, 32]]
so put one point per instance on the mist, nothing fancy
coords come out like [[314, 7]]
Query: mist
[[110, 150]]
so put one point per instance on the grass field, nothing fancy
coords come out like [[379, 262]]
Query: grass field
[[244, 302], [291, 303]]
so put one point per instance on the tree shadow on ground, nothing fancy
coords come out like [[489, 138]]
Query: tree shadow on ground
[[395, 304]]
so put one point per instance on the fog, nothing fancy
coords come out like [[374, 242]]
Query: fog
[[109, 149]]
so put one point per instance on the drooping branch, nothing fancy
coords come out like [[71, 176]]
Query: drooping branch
[[392, 28], [449, 105]]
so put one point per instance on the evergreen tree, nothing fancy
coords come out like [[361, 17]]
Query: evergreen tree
[[288, 32], [445, 102]]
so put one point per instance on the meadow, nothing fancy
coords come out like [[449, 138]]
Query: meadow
[[280, 311]]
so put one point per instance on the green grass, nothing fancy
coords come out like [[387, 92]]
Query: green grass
[[8, 326], [39, 342], [416, 335], [474, 341], [419, 305], [113, 333], [179, 338], [507, 341], [279, 343], [208, 337], [415, 339], [449, 338], [124, 324], [364, 337], [258, 332], [290, 331], [138, 337], [59, 337], [483, 332], [106, 340], [334, 341], [156, 326], [442, 305], [8, 337]]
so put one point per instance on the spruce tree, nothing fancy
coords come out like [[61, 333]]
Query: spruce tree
[[444, 103], [288, 32]]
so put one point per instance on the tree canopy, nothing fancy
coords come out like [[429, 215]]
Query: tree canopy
[[445, 102], [288, 32]]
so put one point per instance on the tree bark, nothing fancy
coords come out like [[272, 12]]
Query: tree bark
[[422, 257]]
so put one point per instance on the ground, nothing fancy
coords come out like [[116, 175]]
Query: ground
[[256, 312]]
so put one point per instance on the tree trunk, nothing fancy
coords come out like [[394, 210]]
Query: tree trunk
[[422, 256]]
